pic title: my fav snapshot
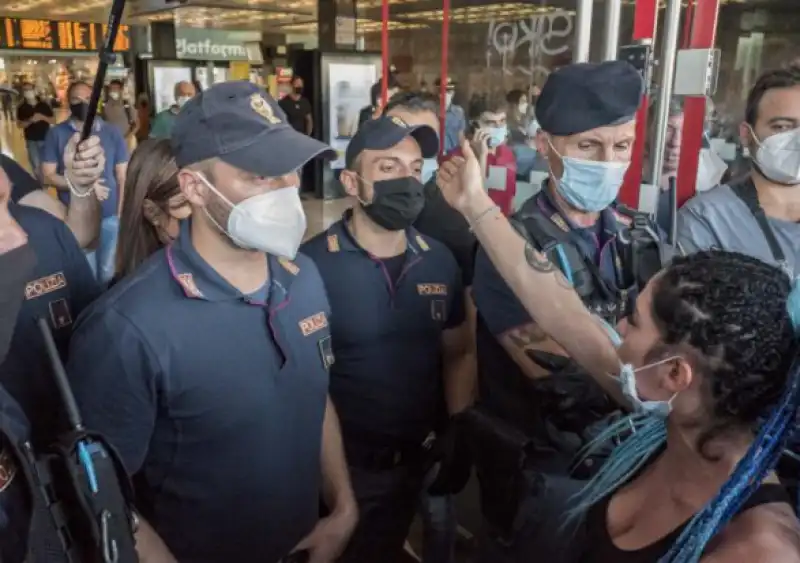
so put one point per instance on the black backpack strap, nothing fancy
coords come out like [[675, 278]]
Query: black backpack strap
[[746, 191]]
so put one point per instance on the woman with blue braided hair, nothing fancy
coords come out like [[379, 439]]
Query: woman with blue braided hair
[[707, 362]]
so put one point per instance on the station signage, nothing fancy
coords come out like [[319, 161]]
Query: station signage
[[48, 35], [209, 44]]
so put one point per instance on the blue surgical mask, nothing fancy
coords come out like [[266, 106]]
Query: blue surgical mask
[[589, 185], [429, 168], [627, 381], [497, 135]]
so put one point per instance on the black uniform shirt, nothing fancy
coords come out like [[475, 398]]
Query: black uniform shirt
[[214, 399], [296, 111], [60, 287], [387, 333]]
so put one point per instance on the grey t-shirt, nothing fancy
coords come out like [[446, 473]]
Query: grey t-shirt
[[719, 219]]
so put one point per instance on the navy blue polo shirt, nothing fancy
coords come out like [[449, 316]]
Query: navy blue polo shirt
[[387, 336], [499, 307], [15, 491], [116, 152], [60, 287], [214, 399]]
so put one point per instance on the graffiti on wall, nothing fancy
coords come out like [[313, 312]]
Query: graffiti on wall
[[522, 46]]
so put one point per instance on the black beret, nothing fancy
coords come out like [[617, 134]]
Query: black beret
[[584, 96]]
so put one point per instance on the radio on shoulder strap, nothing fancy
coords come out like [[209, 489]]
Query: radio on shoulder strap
[[84, 484]]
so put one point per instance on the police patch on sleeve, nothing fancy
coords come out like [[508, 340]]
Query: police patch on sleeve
[[8, 469], [326, 352]]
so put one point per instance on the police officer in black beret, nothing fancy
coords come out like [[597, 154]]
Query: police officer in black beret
[[587, 118]]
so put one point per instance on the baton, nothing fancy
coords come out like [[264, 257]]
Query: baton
[[106, 55]]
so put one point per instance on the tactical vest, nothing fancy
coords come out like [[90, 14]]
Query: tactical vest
[[556, 412]]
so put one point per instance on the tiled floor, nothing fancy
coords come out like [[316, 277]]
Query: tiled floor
[[320, 214]]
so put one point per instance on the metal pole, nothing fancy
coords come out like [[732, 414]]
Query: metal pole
[[611, 29], [583, 31], [443, 73], [384, 51], [667, 66]]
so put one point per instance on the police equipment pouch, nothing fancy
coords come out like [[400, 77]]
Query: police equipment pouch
[[85, 485], [499, 451], [648, 252]]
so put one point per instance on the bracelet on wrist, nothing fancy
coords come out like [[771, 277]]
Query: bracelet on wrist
[[482, 215], [74, 190]]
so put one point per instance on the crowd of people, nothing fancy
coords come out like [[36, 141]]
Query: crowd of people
[[620, 398]]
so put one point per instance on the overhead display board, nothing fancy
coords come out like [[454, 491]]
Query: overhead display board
[[58, 35]]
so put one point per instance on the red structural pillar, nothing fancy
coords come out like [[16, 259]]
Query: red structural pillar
[[443, 73], [385, 50], [644, 28], [704, 31]]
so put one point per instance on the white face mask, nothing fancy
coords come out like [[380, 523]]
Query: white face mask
[[181, 101], [113, 95], [523, 108], [778, 157], [273, 222], [30, 95], [448, 99]]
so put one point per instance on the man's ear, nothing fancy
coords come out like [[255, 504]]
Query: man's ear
[[748, 138], [193, 188], [349, 180]]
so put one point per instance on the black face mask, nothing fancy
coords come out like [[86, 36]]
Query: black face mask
[[79, 111], [396, 203], [16, 267], [298, 89]]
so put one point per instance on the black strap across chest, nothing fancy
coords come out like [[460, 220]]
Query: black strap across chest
[[746, 191]]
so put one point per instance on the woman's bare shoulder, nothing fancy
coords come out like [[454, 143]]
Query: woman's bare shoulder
[[769, 533]]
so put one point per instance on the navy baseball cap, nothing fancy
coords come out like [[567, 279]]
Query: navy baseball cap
[[242, 125], [385, 132]]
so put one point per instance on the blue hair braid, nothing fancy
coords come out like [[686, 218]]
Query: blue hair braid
[[649, 434], [760, 459]]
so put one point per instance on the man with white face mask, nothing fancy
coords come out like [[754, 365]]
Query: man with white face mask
[[165, 120], [222, 413], [758, 215], [586, 114]]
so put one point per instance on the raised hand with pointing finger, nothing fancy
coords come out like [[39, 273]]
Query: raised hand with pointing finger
[[461, 181]]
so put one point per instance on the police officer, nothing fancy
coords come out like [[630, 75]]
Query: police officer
[[207, 367], [61, 285], [398, 330], [17, 261], [586, 113], [757, 215]]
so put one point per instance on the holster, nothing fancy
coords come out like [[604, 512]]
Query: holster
[[95, 523], [499, 452]]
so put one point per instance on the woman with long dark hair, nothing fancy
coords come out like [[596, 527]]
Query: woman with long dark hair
[[152, 205], [707, 362]]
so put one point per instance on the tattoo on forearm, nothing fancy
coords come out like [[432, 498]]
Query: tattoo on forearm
[[526, 336], [541, 264]]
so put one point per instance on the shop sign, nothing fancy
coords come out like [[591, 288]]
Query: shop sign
[[49, 35], [209, 45]]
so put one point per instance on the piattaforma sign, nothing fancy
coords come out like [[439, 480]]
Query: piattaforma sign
[[208, 45]]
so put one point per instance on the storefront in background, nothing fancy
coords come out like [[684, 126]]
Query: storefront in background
[[204, 57], [51, 54]]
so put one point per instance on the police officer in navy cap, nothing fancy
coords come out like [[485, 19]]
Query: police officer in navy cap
[[398, 328], [587, 117], [207, 367]]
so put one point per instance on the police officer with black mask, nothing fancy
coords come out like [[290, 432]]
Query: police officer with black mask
[[528, 387]]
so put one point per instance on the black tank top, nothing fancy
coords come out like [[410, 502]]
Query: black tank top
[[600, 546]]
